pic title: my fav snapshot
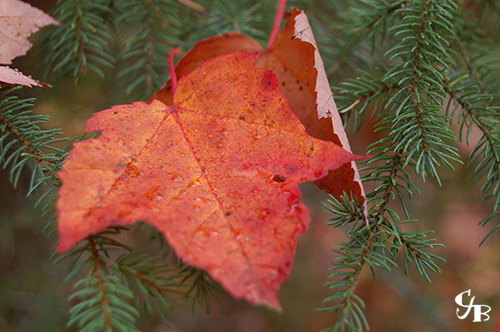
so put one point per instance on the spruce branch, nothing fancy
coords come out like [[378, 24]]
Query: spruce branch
[[157, 287], [23, 143], [9, 128], [378, 246], [474, 109], [418, 127], [348, 265], [102, 302], [236, 16], [396, 183], [150, 281], [97, 265], [81, 43], [467, 59], [145, 37], [415, 246], [367, 20], [354, 96], [492, 5], [477, 56], [487, 11], [202, 288]]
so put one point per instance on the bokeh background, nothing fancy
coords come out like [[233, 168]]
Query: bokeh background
[[33, 295]]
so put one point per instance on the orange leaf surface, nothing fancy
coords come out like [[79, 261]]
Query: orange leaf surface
[[217, 173], [295, 59]]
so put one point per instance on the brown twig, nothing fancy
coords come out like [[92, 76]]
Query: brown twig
[[193, 5]]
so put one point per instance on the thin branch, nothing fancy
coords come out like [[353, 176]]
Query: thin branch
[[98, 263], [79, 37], [389, 186], [142, 279], [360, 33], [469, 111], [193, 5], [149, 65], [416, 76], [353, 284], [40, 161], [493, 5], [482, 127], [470, 68], [368, 95]]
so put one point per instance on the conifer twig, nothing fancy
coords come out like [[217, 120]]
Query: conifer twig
[[37, 156], [97, 265]]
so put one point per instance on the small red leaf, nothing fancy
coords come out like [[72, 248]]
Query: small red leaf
[[13, 76], [19, 21], [217, 173]]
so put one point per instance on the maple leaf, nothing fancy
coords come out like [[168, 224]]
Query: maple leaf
[[217, 173], [293, 55], [18, 20]]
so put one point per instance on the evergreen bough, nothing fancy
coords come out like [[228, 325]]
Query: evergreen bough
[[416, 67]]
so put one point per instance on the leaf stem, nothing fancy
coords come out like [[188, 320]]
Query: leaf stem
[[171, 67], [276, 24]]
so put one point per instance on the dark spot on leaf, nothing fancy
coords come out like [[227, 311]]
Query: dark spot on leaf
[[169, 88], [300, 88], [278, 178], [268, 83], [242, 117], [283, 83], [228, 214], [115, 112], [132, 171]]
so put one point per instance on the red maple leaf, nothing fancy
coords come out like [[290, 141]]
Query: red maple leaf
[[293, 55], [217, 173]]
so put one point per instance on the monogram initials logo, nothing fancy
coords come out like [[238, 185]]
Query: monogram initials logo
[[480, 310]]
